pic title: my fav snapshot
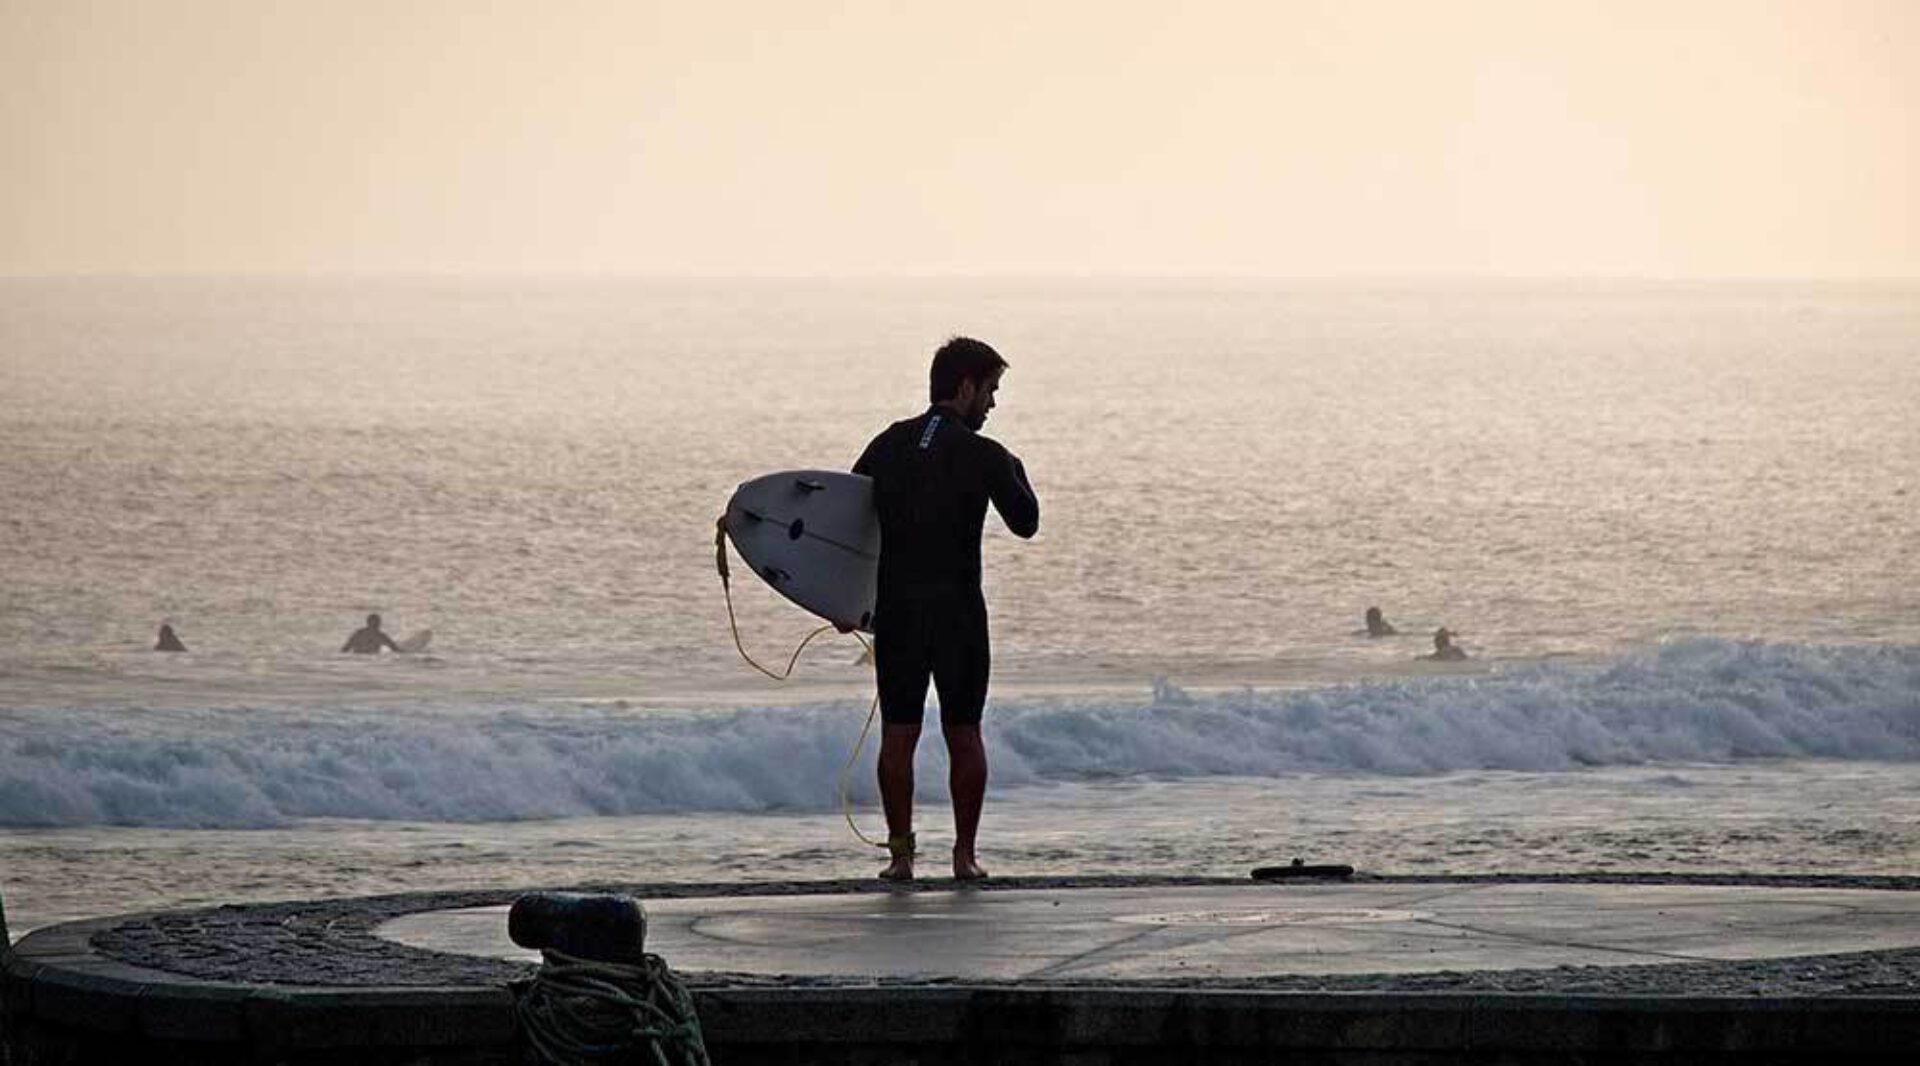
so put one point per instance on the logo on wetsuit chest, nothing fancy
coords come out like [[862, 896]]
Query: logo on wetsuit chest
[[926, 436]]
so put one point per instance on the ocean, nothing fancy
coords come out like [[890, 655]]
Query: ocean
[[1674, 525]]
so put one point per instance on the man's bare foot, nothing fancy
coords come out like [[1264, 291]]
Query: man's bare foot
[[966, 869], [901, 846]]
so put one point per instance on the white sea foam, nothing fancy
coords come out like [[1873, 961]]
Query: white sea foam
[[1691, 701]]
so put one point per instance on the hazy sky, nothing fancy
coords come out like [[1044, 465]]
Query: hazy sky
[[1285, 137]]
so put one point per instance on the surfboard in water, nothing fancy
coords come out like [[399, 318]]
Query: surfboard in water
[[415, 641], [813, 535]]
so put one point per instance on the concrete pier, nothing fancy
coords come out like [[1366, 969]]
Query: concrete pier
[[1065, 970]]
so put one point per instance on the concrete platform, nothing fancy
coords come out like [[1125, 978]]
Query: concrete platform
[[1230, 932], [1383, 970]]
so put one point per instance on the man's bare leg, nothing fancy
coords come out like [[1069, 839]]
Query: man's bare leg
[[897, 744], [967, 780]]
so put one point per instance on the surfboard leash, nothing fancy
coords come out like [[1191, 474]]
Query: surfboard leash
[[846, 772], [733, 624]]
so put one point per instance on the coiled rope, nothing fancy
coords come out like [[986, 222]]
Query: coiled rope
[[873, 711], [576, 1011]]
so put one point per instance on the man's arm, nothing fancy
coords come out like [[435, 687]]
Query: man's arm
[[388, 641], [1012, 494], [864, 464]]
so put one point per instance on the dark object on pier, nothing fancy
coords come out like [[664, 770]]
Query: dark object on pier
[[1298, 869], [599, 997], [596, 927]]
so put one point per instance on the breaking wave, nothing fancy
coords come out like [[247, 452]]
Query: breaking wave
[[1687, 701]]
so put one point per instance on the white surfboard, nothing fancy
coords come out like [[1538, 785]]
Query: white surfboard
[[813, 535], [414, 642]]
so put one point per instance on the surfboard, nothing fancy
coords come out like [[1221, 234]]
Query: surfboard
[[812, 535], [415, 641]]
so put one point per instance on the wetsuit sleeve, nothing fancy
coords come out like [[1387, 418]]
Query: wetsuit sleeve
[[864, 465], [1011, 493]]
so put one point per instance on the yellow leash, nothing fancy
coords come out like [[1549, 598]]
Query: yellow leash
[[733, 624]]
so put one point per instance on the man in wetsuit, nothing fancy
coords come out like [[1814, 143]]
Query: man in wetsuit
[[933, 476], [1444, 649], [1377, 624], [369, 639], [169, 640]]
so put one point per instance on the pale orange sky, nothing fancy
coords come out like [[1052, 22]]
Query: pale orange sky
[[1533, 137]]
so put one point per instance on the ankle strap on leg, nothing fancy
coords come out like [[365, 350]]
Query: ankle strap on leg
[[901, 845]]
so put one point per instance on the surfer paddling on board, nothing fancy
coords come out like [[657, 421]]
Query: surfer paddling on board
[[1444, 649], [369, 639], [933, 476], [1377, 624]]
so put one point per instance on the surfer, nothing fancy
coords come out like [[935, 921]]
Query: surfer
[[933, 476], [1377, 624], [369, 639], [1444, 649], [169, 640]]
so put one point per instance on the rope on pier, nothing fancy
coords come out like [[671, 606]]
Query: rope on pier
[[577, 1011]]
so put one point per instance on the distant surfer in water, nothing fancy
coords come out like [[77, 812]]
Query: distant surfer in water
[[369, 639], [1377, 624], [933, 476], [1444, 649], [169, 640]]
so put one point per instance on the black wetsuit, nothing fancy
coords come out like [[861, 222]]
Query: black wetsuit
[[932, 480]]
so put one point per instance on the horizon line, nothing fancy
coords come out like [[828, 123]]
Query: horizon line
[[1346, 277]]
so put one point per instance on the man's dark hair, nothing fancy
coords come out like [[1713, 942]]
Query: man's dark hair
[[962, 359]]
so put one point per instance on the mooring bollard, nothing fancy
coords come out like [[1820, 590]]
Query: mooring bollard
[[603, 928], [598, 992]]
